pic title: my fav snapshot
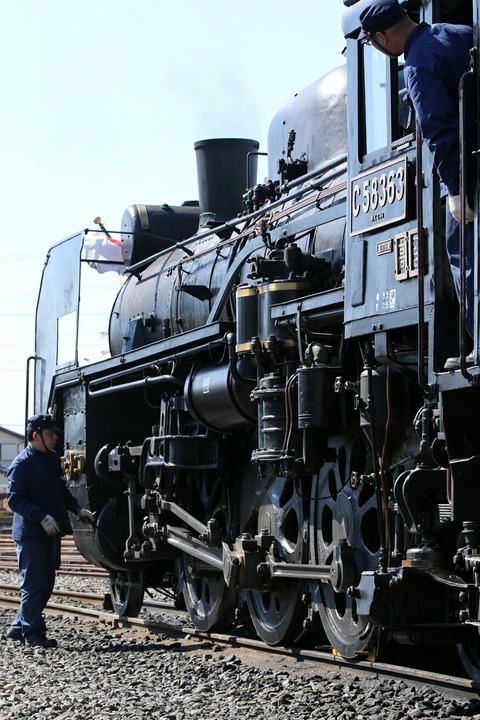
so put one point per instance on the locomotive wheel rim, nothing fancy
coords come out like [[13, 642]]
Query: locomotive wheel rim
[[341, 513], [278, 613], [126, 592], [469, 654], [209, 602]]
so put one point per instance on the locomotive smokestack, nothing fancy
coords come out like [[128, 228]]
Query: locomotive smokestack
[[222, 174]]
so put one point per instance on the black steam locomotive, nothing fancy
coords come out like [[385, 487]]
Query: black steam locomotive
[[274, 431]]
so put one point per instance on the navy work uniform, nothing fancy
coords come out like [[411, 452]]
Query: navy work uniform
[[38, 495]]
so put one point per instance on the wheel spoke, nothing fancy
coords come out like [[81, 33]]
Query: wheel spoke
[[210, 603], [278, 613], [343, 515]]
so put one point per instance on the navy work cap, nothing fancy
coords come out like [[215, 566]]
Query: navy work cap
[[37, 423], [379, 15]]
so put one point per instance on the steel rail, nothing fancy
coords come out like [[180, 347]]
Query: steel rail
[[92, 598]]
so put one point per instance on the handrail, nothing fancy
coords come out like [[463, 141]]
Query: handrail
[[425, 387], [144, 382], [27, 393], [463, 205]]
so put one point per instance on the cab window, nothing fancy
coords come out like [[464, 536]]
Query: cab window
[[386, 114], [376, 87]]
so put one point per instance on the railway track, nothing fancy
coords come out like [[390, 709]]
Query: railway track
[[87, 610], [7, 589], [89, 607]]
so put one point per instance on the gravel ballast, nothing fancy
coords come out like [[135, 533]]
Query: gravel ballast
[[98, 673]]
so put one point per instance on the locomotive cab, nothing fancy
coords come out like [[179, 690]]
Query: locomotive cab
[[396, 251], [401, 298]]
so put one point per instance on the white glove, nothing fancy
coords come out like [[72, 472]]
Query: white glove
[[50, 525], [456, 209], [85, 516]]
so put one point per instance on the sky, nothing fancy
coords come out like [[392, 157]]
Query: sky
[[103, 101]]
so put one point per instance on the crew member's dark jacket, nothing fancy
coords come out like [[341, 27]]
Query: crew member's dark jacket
[[36, 487], [436, 57]]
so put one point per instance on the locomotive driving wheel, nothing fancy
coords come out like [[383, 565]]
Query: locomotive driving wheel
[[345, 537], [126, 592], [210, 603], [278, 613]]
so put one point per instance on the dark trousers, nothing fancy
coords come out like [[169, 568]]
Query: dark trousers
[[452, 232], [37, 563]]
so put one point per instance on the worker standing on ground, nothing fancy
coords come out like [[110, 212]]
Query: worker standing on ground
[[40, 500]]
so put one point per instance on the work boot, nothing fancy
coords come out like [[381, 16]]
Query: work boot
[[453, 363], [15, 634], [43, 642]]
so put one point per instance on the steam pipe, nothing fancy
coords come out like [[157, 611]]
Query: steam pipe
[[145, 382]]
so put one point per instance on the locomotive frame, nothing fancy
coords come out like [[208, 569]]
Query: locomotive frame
[[274, 431]]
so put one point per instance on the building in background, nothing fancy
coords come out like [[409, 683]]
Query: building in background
[[10, 445]]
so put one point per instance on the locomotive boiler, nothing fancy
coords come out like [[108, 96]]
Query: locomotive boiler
[[274, 434]]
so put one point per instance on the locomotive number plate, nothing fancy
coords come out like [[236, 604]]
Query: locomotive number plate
[[378, 197]]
